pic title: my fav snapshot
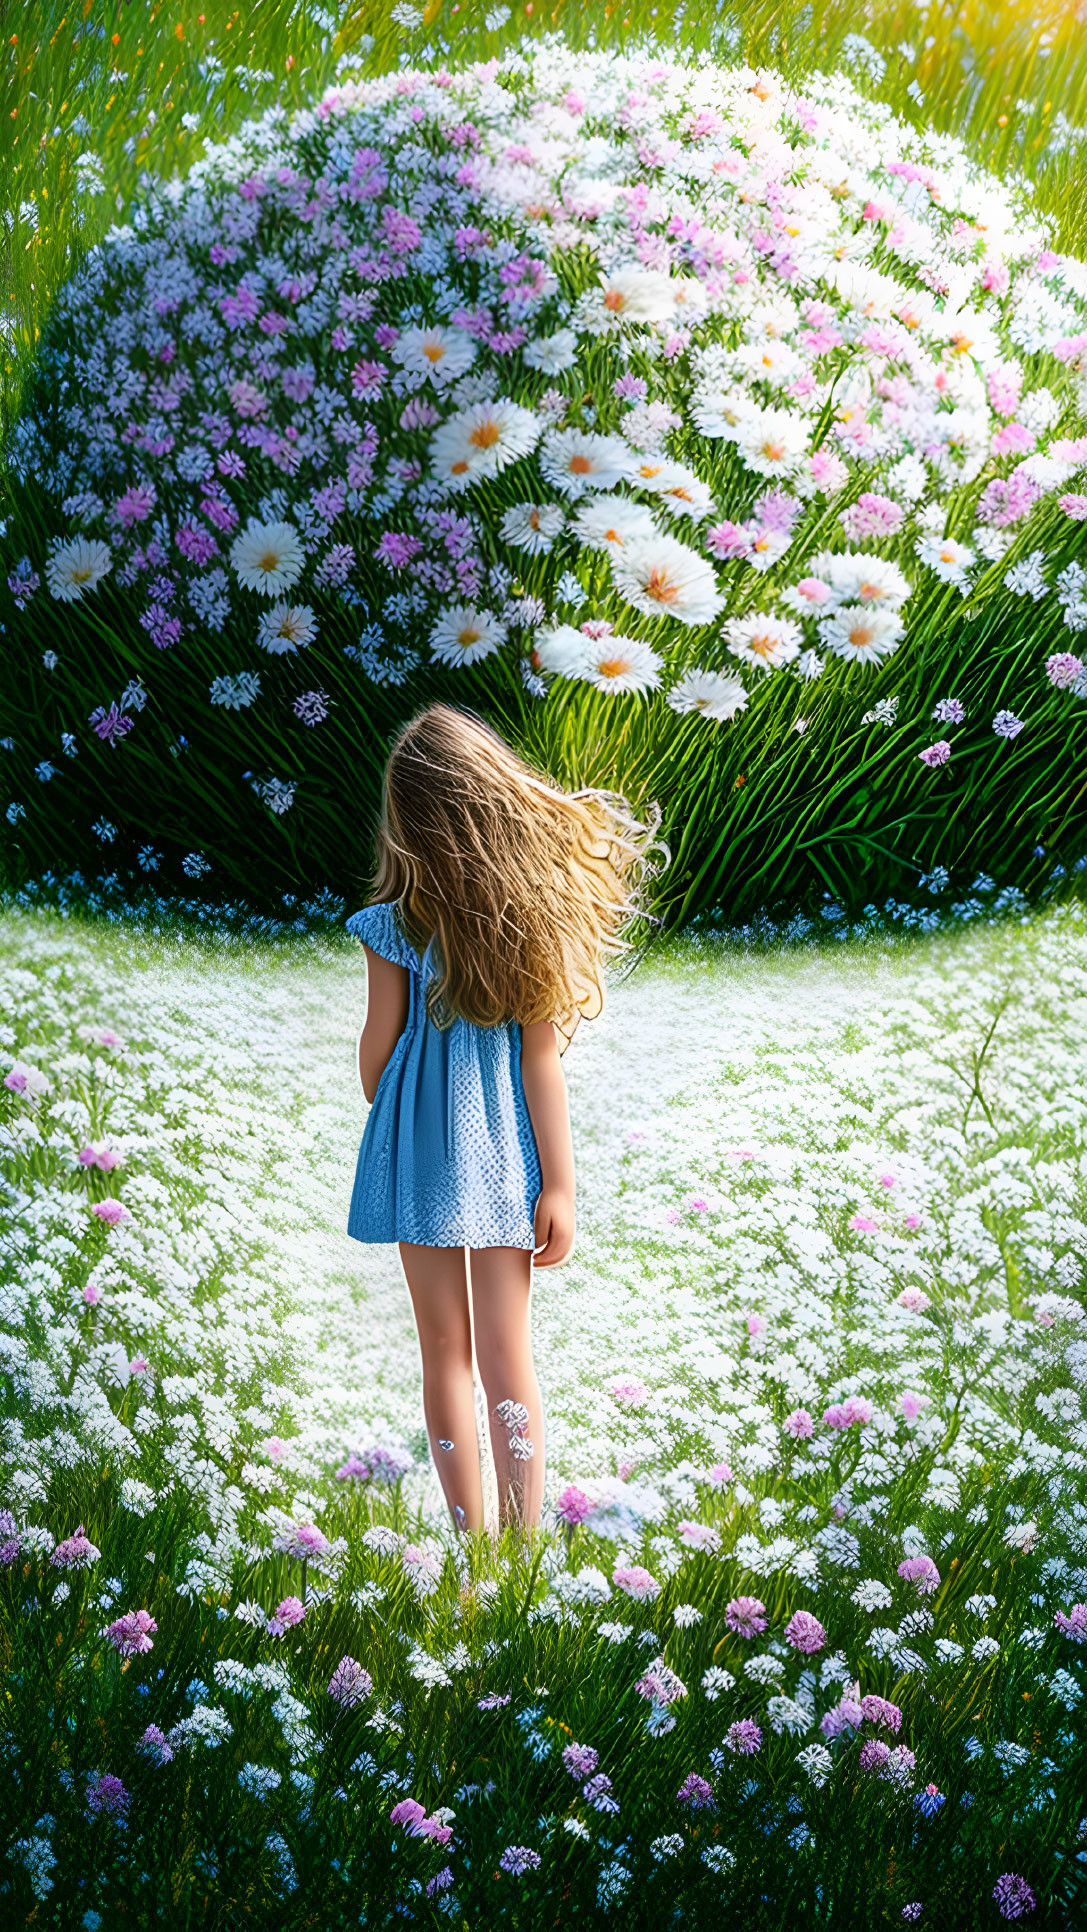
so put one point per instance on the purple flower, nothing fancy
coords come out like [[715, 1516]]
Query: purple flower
[[1013, 1895], [745, 1616], [130, 1634], [937, 754], [106, 1793], [744, 1737], [798, 1424], [580, 1760], [354, 1466], [440, 1881], [1073, 1625], [597, 1791], [805, 1632], [75, 1553], [1007, 725], [349, 1683], [408, 1812], [875, 1755], [845, 1713], [694, 1791], [912, 1912], [518, 1859], [573, 1506], [290, 1612], [495, 1699], [878, 1711], [155, 1745], [636, 1582], [922, 1571], [302, 1540]]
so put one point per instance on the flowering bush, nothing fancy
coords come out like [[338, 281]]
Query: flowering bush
[[627, 375]]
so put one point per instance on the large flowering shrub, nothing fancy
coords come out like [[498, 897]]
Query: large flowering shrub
[[672, 381]]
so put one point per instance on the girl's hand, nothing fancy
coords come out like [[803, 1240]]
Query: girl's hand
[[553, 1225]]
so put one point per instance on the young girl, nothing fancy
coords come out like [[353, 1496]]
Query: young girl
[[496, 899]]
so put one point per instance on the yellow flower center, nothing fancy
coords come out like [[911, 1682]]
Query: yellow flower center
[[615, 300], [269, 561], [486, 435], [613, 667], [581, 466], [773, 451], [434, 351], [467, 637], [660, 587]]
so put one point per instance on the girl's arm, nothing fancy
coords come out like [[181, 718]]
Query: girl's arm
[[386, 1017], [545, 1092]]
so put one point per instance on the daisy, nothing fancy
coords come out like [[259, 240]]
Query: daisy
[[665, 579], [769, 361], [618, 664], [464, 634], [286, 627], [678, 488], [719, 409], [771, 441], [532, 526], [575, 460], [714, 693], [864, 635], [267, 557], [439, 354], [564, 650], [856, 578], [552, 353], [949, 560], [636, 294], [606, 522], [481, 440], [766, 642], [74, 567]]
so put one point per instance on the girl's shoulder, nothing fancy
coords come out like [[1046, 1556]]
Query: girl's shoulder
[[379, 928]]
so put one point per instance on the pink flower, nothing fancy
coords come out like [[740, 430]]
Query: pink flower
[[104, 1157], [434, 1829], [1043, 1316], [922, 1571], [573, 1506], [719, 1474], [805, 1633], [349, 1683], [1064, 667], [887, 1180], [75, 1553], [798, 1424], [131, 1633], [92, 1294], [937, 754], [912, 1404], [289, 1613], [629, 1392], [912, 1221], [875, 1755], [863, 1224], [625, 1468], [275, 1448], [1073, 1625], [408, 1812], [111, 1211], [756, 1325], [743, 1737], [813, 590], [302, 1541], [842, 1415], [636, 1582], [1074, 506], [878, 1711], [139, 1365], [914, 1299], [745, 1616], [699, 1536]]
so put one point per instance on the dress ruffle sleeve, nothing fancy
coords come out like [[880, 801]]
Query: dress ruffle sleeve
[[377, 928]]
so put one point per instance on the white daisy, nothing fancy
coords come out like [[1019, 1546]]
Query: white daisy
[[267, 557], [76, 566], [564, 650], [767, 642], [605, 522], [771, 441], [637, 294], [532, 526], [286, 627], [439, 354], [949, 560], [713, 693], [464, 634], [863, 634], [665, 579], [856, 577], [618, 664], [481, 440], [718, 409], [769, 361], [678, 488], [552, 353], [575, 460]]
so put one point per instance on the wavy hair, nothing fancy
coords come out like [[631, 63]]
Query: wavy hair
[[524, 888]]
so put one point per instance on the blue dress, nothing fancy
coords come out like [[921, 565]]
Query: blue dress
[[448, 1155]]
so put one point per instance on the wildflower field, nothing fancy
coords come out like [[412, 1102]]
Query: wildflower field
[[702, 400], [801, 1636]]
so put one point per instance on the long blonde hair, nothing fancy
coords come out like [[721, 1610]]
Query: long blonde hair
[[524, 888]]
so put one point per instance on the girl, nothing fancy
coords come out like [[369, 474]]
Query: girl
[[497, 897]]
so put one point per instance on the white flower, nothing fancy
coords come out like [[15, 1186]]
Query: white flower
[[666, 1847], [766, 642], [564, 650], [76, 566], [235, 692], [606, 521], [855, 577], [817, 1762], [863, 635], [872, 1595], [532, 526], [771, 441], [665, 579], [619, 664], [551, 354], [949, 560], [576, 460], [678, 488], [481, 440], [686, 1613], [1021, 1536], [286, 627], [636, 294], [439, 354], [716, 1680], [714, 693], [464, 634], [267, 557]]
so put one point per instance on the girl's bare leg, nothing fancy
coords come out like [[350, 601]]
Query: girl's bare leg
[[438, 1281], [501, 1291]]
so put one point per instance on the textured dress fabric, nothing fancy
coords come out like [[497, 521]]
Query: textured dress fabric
[[448, 1155]]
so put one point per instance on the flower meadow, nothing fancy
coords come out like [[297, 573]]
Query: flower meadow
[[724, 436], [802, 1631]]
